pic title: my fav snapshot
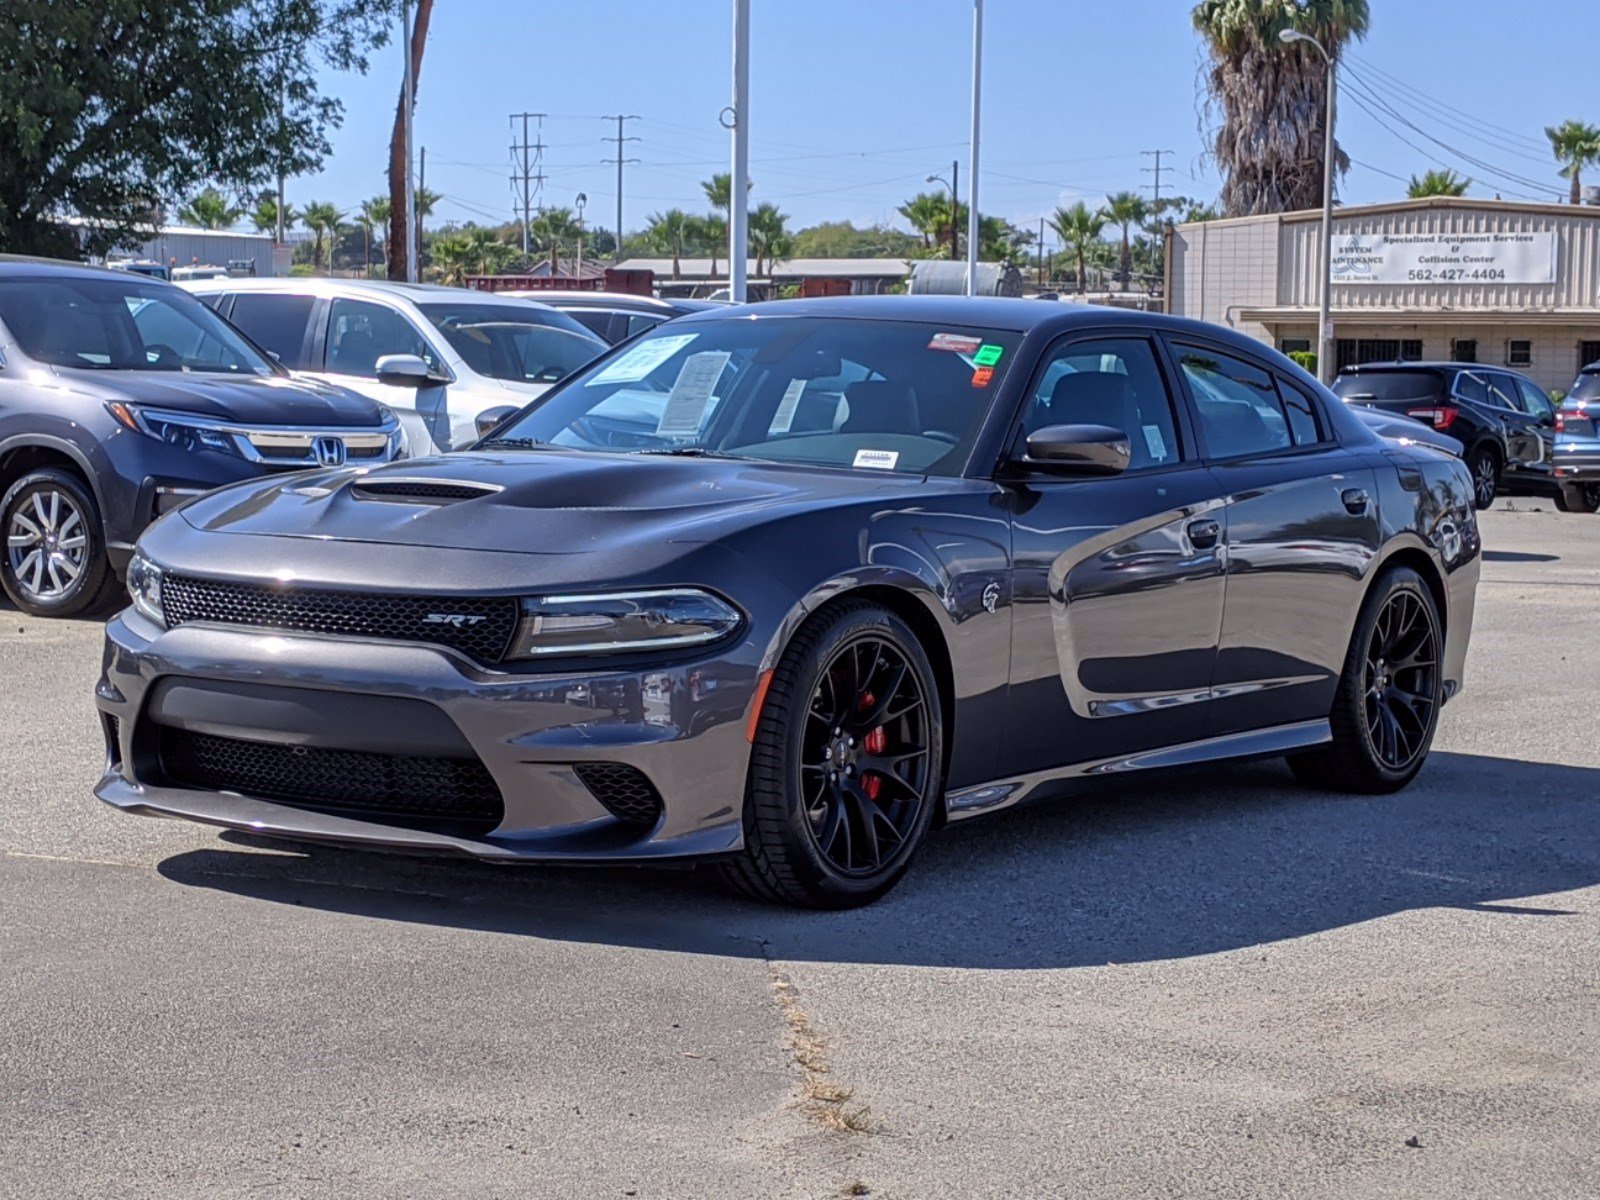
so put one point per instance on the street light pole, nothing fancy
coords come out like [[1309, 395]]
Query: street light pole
[[972, 169], [738, 195], [1325, 351], [408, 103]]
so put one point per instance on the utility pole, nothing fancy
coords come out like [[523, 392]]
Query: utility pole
[[408, 103], [1041, 252], [620, 161], [977, 126], [955, 203], [527, 160], [739, 196], [1156, 171], [416, 213]]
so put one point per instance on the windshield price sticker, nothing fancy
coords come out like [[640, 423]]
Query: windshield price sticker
[[883, 460], [634, 364], [691, 394], [784, 417], [1155, 443], [956, 342], [988, 355], [982, 376]]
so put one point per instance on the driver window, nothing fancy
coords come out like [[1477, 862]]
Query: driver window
[[1114, 382], [360, 333]]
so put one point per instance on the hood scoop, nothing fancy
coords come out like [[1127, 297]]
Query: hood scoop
[[421, 491]]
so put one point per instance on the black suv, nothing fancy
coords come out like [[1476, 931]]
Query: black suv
[[1505, 421], [122, 396]]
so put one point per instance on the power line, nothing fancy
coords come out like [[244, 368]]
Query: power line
[[527, 159], [620, 160], [1423, 98]]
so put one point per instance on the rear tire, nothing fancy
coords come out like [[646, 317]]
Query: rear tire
[[1484, 463], [1579, 498], [1387, 707], [847, 765], [54, 563]]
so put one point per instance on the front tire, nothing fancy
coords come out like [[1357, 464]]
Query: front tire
[[1579, 498], [1484, 463], [847, 765], [1387, 707], [54, 561]]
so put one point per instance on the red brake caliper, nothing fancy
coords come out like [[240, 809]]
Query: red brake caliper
[[874, 743]]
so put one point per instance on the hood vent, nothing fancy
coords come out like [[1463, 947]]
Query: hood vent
[[421, 491]]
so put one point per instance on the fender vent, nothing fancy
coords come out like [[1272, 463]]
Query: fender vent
[[422, 491], [626, 792]]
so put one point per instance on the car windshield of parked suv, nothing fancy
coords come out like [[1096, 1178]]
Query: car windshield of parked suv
[[122, 324], [519, 343], [1389, 385], [878, 395]]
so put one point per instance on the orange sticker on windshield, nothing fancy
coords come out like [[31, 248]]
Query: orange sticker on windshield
[[982, 376]]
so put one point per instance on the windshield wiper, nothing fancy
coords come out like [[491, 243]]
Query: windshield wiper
[[682, 452], [514, 443]]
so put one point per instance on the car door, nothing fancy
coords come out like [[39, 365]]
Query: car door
[[1301, 531], [1117, 582], [1534, 404], [359, 333]]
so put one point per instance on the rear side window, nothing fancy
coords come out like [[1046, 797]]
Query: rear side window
[[1302, 413], [1587, 387], [1470, 386], [1389, 385], [276, 323], [1237, 403], [597, 321]]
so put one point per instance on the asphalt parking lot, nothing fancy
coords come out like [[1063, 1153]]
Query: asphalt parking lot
[[1205, 985]]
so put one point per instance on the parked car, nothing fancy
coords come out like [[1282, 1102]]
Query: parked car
[[449, 361], [1577, 448], [617, 316], [1407, 430], [1505, 421], [872, 564], [121, 396]]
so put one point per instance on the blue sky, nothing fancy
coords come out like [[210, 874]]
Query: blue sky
[[855, 102]]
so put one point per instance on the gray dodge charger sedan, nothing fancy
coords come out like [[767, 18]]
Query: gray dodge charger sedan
[[782, 587]]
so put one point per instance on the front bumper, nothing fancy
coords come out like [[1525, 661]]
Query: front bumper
[[681, 724]]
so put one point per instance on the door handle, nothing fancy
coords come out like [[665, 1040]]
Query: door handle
[[1204, 534], [1355, 500]]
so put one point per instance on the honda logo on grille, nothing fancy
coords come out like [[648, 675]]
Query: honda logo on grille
[[329, 451]]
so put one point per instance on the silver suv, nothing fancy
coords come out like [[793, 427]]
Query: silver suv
[[448, 361]]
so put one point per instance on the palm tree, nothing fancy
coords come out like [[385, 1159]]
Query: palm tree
[[1126, 209], [769, 235], [1273, 97], [1577, 146], [712, 232], [671, 231], [209, 210], [719, 191], [549, 229], [397, 152], [373, 215], [1079, 228], [470, 251], [926, 212], [1437, 183], [264, 216], [323, 220]]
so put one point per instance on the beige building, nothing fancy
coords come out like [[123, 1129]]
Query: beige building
[[1485, 281]]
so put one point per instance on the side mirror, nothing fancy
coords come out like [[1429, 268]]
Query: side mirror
[[1078, 450], [491, 418], [404, 370]]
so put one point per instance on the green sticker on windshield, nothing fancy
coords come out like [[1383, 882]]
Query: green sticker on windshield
[[988, 355]]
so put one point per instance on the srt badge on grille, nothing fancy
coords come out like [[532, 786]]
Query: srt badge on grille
[[454, 620]]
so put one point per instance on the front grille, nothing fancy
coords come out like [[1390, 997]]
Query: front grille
[[626, 792], [457, 796], [480, 627]]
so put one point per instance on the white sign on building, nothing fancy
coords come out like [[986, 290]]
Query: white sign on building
[[1444, 258]]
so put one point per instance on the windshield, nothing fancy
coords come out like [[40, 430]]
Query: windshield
[[122, 324], [515, 342], [1586, 387], [878, 395]]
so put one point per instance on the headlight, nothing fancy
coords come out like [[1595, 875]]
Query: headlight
[[144, 586], [622, 621], [187, 433]]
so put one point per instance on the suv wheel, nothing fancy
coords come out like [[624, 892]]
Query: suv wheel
[[1484, 463], [1579, 498], [847, 766], [54, 563]]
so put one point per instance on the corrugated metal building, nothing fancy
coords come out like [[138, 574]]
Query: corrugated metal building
[[1475, 280]]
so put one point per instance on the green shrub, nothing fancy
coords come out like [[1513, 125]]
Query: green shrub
[[1306, 359], [301, 269]]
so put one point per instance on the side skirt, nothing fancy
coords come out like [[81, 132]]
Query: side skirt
[[1257, 743]]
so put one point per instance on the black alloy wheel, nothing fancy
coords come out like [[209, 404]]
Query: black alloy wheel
[[1386, 708], [1402, 680], [1485, 467], [847, 767]]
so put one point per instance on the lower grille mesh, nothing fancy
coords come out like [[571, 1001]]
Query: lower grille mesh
[[626, 792], [480, 627], [446, 795]]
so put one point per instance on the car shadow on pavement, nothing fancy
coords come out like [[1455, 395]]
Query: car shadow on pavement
[[1518, 556], [1157, 868]]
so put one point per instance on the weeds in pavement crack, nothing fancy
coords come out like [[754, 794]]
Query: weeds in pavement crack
[[825, 1101]]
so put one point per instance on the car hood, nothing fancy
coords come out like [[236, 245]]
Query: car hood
[[245, 399], [553, 502]]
